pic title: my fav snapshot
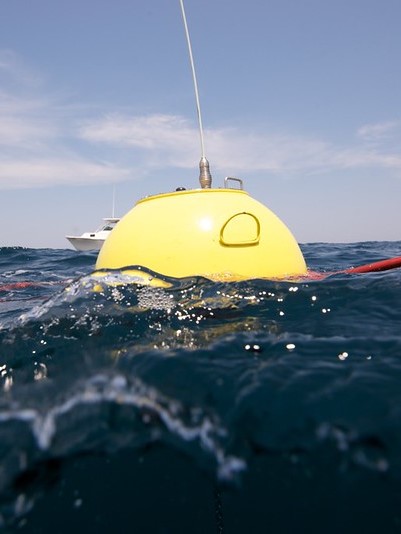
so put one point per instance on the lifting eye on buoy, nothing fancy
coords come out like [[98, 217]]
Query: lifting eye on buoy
[[227, 179]]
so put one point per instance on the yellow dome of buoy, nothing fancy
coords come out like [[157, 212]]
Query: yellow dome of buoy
[[221, 234]]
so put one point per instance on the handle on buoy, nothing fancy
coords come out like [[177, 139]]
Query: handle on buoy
[[241, 229]]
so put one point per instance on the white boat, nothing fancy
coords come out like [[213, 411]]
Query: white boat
[[93, 240]]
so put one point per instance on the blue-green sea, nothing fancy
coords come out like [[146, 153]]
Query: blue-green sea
[[258, 407]]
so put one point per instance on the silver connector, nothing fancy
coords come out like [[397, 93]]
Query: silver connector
[[205, 178]]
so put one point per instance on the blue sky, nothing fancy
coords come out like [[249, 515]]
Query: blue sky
[[300, 98]]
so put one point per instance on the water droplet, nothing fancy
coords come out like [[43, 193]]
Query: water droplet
[[253, 348]]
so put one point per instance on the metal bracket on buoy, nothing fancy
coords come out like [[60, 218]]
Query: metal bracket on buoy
[[238, 180]]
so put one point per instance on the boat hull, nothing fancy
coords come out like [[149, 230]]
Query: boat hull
[[93, 240], [85, 243]]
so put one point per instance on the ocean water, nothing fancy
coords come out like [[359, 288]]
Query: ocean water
[[202, 407]]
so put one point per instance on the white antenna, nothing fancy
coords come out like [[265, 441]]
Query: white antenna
[[114, 200], [205, 178]]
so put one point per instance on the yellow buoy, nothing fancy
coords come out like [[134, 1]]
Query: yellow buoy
[[221, 234]]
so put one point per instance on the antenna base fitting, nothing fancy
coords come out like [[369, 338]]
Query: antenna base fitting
[[205, 178]]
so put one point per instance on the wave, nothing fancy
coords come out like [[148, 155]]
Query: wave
[[261, 389]]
